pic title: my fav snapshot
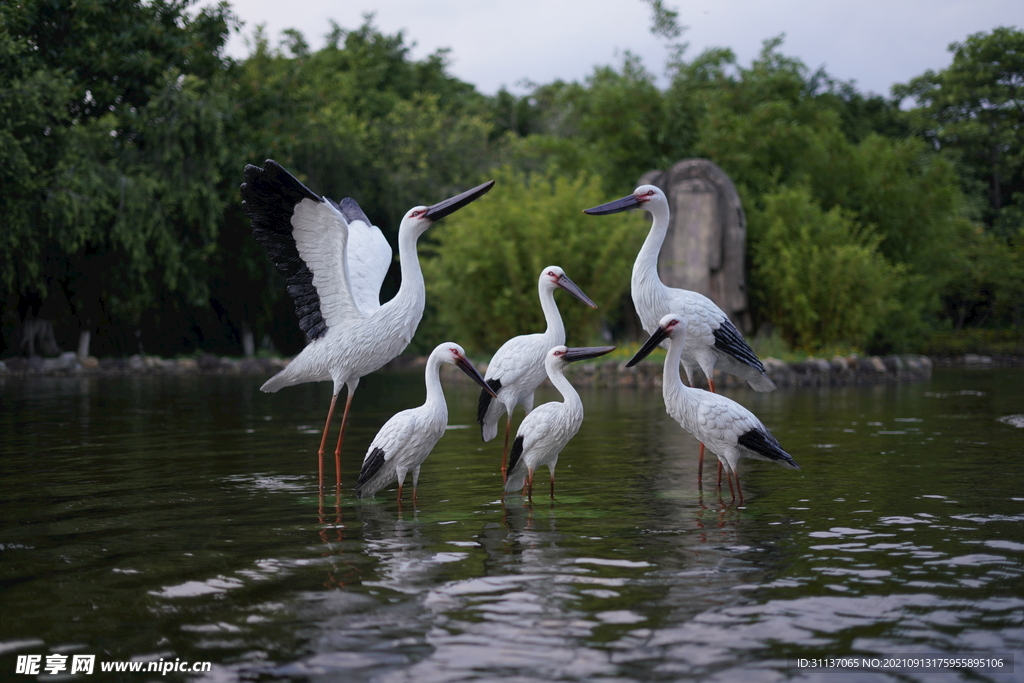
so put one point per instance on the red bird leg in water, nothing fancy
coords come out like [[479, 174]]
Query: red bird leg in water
[[323, 440], [504, 453], [341, 437]]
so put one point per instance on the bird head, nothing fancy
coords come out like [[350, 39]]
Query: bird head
[[419, 218], [638, 200], [554, 277], [671, 326], [450, 352]]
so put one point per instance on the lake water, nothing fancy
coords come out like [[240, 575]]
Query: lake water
[[176, 519]]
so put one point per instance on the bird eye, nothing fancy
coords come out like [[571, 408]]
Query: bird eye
[[650, 193]]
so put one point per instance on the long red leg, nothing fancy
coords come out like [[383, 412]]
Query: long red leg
[[529, 485], [504, 452], [738, 487], [399, 492], [732, 492], [323, 440], [552, 486], [341, 436], [700, 462]]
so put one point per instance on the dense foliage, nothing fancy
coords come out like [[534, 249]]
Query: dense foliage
[[124, 130]]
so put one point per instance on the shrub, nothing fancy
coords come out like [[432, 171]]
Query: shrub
[[819, 274]]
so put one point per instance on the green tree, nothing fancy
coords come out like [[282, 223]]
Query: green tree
[[819, 274], [120, 209], [973, 110]]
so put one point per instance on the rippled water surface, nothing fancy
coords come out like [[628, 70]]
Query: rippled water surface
[[177, 517]]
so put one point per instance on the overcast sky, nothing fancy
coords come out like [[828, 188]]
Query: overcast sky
[[493, 44]]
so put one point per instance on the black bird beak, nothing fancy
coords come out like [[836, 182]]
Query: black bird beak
[[468, 368], [584, 352], [619, 205], [442, 209], [568, 285], [659, 336]]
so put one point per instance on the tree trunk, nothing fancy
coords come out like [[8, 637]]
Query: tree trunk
[[248, 342], [83, 342]]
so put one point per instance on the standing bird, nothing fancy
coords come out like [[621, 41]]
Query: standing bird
[[517, 368], [729, 430], [713, 340], [545, 431], [405, 441], [334, 261]]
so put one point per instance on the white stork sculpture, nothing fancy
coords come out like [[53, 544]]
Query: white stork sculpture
[[728, 429]]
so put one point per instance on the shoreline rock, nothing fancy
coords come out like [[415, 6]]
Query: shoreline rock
[[837, 371]]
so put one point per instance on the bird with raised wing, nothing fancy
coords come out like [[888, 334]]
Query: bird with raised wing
[[405, 441], [728, 429], [517, 367], [549, 427], [334, 261]]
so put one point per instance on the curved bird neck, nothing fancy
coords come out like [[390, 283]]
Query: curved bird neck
[[570, 397], [672, 388], [411, 294], [555, 331], [645, 268], [435, 402]]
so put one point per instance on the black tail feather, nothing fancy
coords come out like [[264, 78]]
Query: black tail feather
[[515, 454], [762, 442], [371, 466], [485, 400]]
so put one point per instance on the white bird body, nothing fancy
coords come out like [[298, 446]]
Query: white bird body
[[334, 262], [517, 367], [725, 427], [546, 430], [713, 341], [405, 441]]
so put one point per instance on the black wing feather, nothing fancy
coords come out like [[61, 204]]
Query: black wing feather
[[371, 466], [729, 340], [269, 196], [485, 400], [517, 452], [762, 442]]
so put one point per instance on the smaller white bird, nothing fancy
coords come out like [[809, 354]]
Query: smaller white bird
[[405, 441], [517, 368], [545, 431], [729, 430]]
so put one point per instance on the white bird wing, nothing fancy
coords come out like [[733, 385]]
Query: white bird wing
[[369, 256], [519, 356], [321, 236], [702, 316], [721, 419], [305, 237]]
